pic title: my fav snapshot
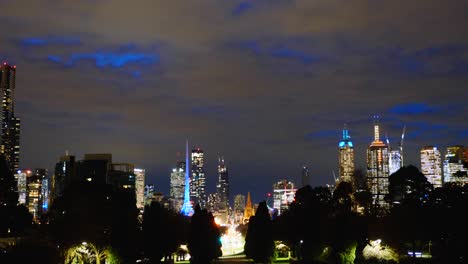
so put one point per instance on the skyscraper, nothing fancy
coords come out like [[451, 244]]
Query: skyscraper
[[176, 194], [140, 188], [283, 195], [346, 157], [394, 161], [197, 181], [431, 165], [377, 169], [64, 173], [21, 178], [222, 188], [239, 207], [249, 210], [34, 200], [10, 125], [455, 169]]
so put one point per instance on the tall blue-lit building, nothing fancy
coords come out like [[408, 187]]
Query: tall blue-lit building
[[346, 157], [187, 208]]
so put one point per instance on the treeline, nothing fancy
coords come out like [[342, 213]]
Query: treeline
[[344, 226]]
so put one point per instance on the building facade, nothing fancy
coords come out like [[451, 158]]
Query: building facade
[[176, 194], [346, 157], [431, 165], [455, 167], [378, 170], [283, 195], [239, 207], [140, 187], [197, 181], [305, 176], [222, 188], [10, 124], [394, 161]]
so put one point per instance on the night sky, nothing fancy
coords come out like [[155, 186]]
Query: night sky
[[266, 83]]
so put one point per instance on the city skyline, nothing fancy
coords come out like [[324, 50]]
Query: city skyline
[[268, 84]]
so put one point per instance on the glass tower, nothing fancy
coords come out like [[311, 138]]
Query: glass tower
[[431, 165], [346, 157]]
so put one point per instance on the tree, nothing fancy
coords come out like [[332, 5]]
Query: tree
[[259, 244], [408, 184], [204, 241], [160, 232]]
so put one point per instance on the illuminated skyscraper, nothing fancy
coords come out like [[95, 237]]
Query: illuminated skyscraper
[[239, 207], [149, 193], [176, 194], [64, 173], [394, 161], [346, 157], [10, 125], [187, 208], [197, 181], [34, 189], [283, 195], [222, 188], [21, 177], [455, 169], [140, 188], [378, 169], [431, 165]]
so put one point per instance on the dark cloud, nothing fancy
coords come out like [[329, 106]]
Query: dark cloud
[[268, 83]]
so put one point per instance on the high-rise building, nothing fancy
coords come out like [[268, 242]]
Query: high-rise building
[[94, 168], [10, 125], [140, 187], [283, 195], [21, 178], [122, 176], [64, 173], [346, 157], [35, 198], [305, 177], [149, 192], [222, 188], [455, 169], [378, 170], [249, 210], [239, 207], [394, 161], [431, 165], [176, 195], [197, 181]]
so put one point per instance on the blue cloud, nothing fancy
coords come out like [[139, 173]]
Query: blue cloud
[[49, 40], [412, 109], [278, 51], [108, 59], [241, 8]]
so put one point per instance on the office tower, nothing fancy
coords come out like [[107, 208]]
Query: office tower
[[431, 165], [122, 176], [305, 179], [45, 194], [149, 192], [239, 207], [176, 195], [21, 178], [378, 170], [394, 161], [249, 210], [140, 187], [346, 157], [197, 181], [64, 174], [283, 195], [10, 125], [212, 203], [94, 168], [34, 199], [187, 208], [455, 169], [222, 188]]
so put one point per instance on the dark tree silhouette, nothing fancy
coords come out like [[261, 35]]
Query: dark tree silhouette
[[204, 241], [163, 232], [259, 244]]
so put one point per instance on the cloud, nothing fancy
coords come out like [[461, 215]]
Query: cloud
[[107, 59], [49, 40], [412, 109], [241, 8]]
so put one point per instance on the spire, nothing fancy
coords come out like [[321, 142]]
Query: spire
[[187, 209], [249, 210]]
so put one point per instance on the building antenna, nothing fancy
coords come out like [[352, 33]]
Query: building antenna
[[388, 142]]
